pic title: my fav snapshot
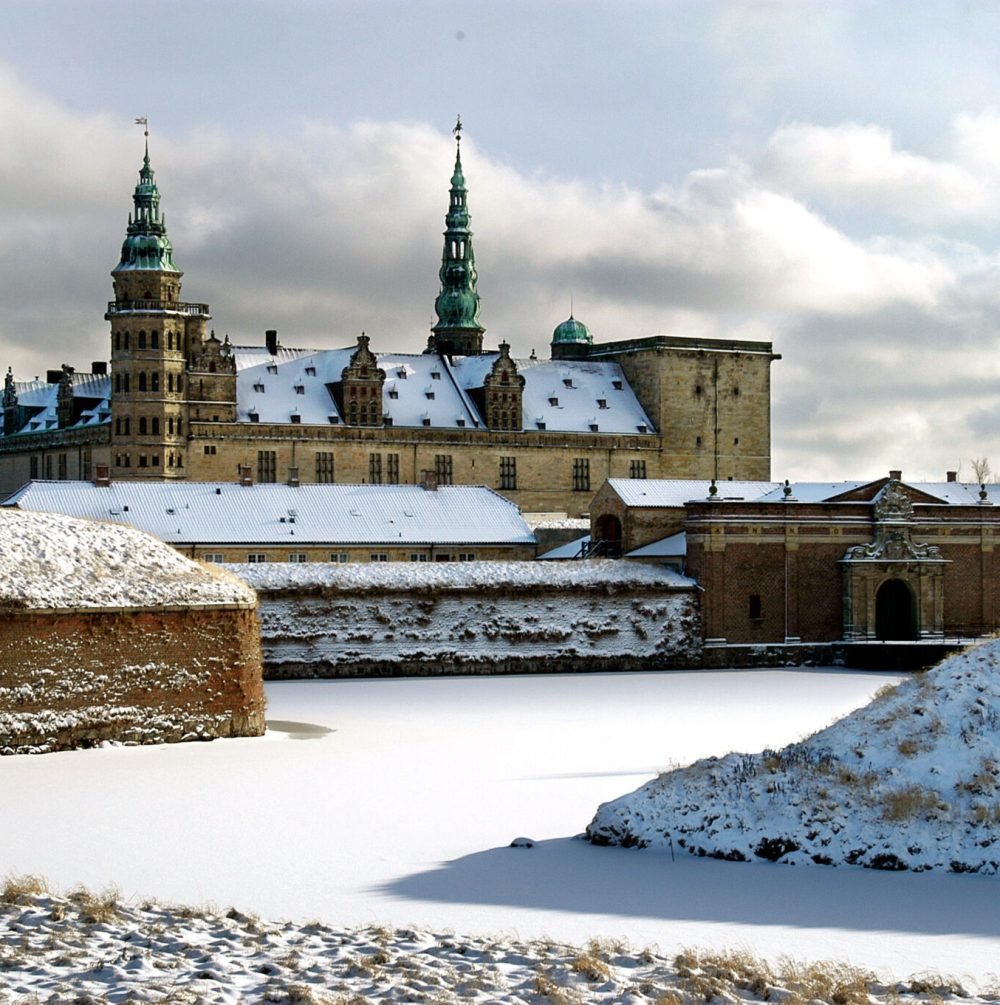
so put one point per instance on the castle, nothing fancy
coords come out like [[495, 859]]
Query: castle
[[179, 403]]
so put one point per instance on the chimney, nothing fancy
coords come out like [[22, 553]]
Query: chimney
[[293, 477], [246, 475], [271, 341], [99, 368], [952, 476], [53, 376], [428, 481], [896, 475], [102, 476]]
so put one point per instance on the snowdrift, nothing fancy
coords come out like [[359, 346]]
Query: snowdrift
[[49, 561], [910, 781]]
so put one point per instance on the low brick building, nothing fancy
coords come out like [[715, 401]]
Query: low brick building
[[107, 634], [848, 561]]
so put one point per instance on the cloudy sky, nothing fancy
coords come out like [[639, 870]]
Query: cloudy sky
[[823, 175]]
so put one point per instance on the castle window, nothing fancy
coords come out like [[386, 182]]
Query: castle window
[[298, 556], [736, 441], [401, 374], [567, 381], [256, 558], [539, 424], [272, 367], [616, 384], [736, 392], [637, 469], [170, 381], [425, 422], [170, 460], [211, 366], [118, 340], [142, 340], [553, 402], [380, 556], [154, 381], [602, 403], [267, 466], [300, 389], [156, 460], [429, 394], [697, 441], [296, 419], [593, 427], [178, 432], [155, 426], [418, 557], [178, 383], [259, 387], [48, 467], [126, 340], [443, 469], [393, 393], [254, 416], [154, 340], [754, 607], [375, 469], [392, 469], [698, 390], [142, 426], [143, 461], [128, 426], [310, 371], [170, 426], [339, 556], [63, 468], [581, 474], [642, 427], [435, 375], [324, 467], [460, 422], [210, 449], [508, 472], [142, 381], [170, 340]]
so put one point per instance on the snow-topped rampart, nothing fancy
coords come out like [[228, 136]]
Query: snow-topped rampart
[[910, 781], [472, 617], [49, 562]]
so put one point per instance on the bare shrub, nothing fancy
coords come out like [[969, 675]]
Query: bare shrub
[[838, 983], [911, 801], [97, 909]]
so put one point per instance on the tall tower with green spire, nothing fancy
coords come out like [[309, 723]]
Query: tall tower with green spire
[[153, 335], [458, 331]]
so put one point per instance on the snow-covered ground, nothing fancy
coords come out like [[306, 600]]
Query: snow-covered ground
[[394, 802], [52, 561], [908, 782]]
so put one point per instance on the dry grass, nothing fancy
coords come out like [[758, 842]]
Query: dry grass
[[910, 802], [21, 889], [837, 983], [97, 908], [555, 993]]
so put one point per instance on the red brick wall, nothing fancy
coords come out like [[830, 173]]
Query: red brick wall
[[71, 679]]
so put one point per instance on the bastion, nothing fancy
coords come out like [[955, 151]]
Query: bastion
[[107, 634]]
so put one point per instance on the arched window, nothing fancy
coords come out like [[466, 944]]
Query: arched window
[[155, 426], [142, 380], [178, 429], [127, 339], [126, 381], [154, 340], [142, 425], [118, 340], [118, 381], [142, 340], [128, 426], [154, 381], [178, 383]]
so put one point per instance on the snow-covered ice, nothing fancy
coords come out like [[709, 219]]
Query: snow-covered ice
[[395, 801]]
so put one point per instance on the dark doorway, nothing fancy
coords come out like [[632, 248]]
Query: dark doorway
[[609, 528], [895, 619]]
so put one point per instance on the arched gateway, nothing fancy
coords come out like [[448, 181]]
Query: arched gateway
[[895, 614]]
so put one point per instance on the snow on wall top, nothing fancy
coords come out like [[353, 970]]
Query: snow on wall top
[[40, 400], [226, 513], [433, 577], [909, 781], [52, 561]]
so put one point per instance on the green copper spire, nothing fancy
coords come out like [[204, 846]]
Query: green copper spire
[[458, 331], [146, 244]]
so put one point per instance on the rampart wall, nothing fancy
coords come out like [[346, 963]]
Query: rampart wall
[[78, 677]]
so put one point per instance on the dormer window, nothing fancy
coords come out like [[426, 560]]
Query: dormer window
[[435, 375], [426, 422], [300, 389], [393, 393], [310, 371], [296, 418], [401, 374], [593, 427], [272, 367], [429, 394], [616, 384], [554, 402], [643, 428], [602, 403], [567, 381], [460, 422], [254, 417], [334, 420], [539, 423], [259, 387]]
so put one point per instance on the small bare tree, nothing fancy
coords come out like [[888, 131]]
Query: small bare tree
[[981, 469]]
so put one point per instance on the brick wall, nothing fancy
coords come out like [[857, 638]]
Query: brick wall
[[76, 678]]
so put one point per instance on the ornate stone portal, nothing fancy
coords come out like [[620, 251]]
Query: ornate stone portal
[[893, 586]]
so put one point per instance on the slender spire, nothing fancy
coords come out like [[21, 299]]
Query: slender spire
[[458, 331], [146, 244]]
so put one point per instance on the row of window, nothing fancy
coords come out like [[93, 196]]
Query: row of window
[[259, 557], [150, 427], [383, 469], [172, 460], [123, 340], [123, 383], [38, 463]]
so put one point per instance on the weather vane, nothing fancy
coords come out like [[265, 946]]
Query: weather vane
[[144, 122], [458, 129]]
